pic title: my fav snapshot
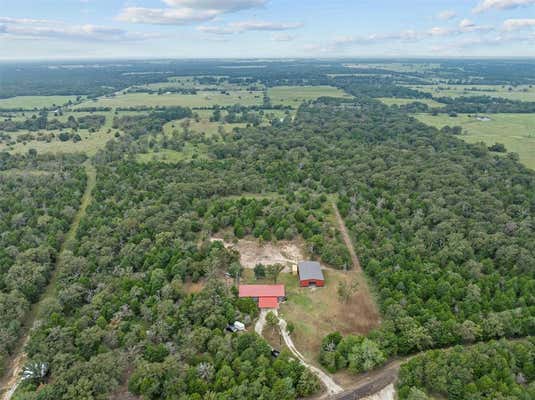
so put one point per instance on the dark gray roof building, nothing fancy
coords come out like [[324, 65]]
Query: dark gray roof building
[[310, 270]]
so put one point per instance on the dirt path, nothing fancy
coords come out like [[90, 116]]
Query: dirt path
[[10, 381], [261, 322], [331, 386], [365, 304], [347, 239], [374, 382]]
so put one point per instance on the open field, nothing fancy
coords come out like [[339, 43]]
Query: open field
[[31, 102], [400, 102], [91, 142], [295, 95], [522, 93], [202, 126], [201, 99], [515, 131]]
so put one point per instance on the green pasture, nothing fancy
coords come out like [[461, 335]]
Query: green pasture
[[515, 131]]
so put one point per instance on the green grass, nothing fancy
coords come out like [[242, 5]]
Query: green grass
[[202, 126], [522, 93], [398, 101], [515, 131], [91, 141], [90, 144], [295, 95], [31, 102], [201, 99]]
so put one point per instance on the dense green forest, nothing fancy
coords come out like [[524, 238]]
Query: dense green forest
[[444, 230], [494, 370], [36, 208]]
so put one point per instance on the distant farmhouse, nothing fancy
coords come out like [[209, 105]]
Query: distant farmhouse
[[267, 296], [310, 274]]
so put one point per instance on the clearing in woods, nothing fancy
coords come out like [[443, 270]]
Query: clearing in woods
[[9, 382], [515, 131], [295, 95], [389, 101], [315, 312], [253, 252]]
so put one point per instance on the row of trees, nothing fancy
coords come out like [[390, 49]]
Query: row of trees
[[40, 121]]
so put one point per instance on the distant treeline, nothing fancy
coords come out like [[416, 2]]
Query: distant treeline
[[472, 105], [378, 86], [41, 122]]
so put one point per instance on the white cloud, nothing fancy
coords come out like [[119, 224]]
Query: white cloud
[[20, 28], [246, 26], [183, 12], [446, 15], [517, 24], [222, 5], [438, 31], [167, 16], [466, 26], [282, 37], [486, 5]]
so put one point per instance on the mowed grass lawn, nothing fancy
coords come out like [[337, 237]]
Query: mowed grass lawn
[[201, 99], [389, 101], [515, 131], [522, 93], [31, 102], [295, 95]]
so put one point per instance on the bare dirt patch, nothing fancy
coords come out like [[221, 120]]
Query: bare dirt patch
[[253, 252], [193, 287]]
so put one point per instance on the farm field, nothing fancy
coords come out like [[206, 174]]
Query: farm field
[[400, 102], [521, 93], [31, 102], [201, 99], [515, 131], [295, 95]]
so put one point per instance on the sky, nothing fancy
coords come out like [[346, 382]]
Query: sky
[[77, 29]]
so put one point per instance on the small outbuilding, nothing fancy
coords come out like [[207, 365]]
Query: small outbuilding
[[310, 274]]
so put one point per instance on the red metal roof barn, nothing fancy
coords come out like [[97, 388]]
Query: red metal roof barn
[[268, 296], [310, 274]]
